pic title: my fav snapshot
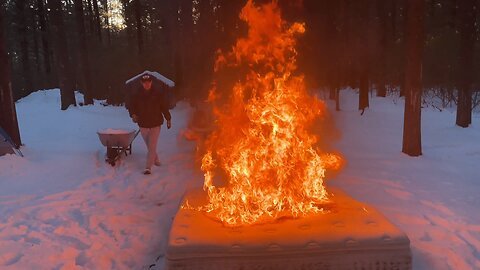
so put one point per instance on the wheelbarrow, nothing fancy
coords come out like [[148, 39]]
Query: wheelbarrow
[[118, 142]]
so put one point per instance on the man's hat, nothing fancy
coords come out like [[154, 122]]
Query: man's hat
[[146, 78]]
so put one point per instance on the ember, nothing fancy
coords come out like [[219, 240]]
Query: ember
[[261, 143]]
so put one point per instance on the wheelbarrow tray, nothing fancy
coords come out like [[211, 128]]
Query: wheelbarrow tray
[[117, 141], [111, 137]]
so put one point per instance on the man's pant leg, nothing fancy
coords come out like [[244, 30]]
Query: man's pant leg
[[150, 136]]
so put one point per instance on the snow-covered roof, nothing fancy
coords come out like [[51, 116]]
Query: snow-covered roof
[[154, 74]]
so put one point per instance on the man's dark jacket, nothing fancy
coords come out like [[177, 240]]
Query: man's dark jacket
[[150, 107]]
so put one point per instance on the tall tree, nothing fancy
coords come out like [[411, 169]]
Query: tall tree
[[21, 16], [61, 51], [8, 114], [98, 25], [203, 55], [403, 24], [453, 4], [84, 55], [412, 139], [138, 21], [129, 23], [467, 9], [169, 14], [342, 45], [36, 47], [229, 21], [364, 51], [382, 46], [42, 21], [331, 34], [91, 17], [393, 18], [107, 21], [184, 39]]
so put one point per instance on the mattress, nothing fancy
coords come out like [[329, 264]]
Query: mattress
[[348, 235]]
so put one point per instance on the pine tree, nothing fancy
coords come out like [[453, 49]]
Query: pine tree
[[64, 69], [84, 56], [467, 9], [412, 139], [8, 114]]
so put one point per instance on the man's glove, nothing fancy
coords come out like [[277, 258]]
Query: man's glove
[[169, 124], [134, 118]]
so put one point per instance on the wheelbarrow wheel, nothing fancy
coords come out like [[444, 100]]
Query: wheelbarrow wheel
[[112, 153]]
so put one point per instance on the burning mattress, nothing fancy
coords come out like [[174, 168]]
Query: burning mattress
[[349, 235]]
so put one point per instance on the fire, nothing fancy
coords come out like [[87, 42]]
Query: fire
[[261, 149]]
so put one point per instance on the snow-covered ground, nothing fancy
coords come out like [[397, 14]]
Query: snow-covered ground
[[434, 198], [63, 207]]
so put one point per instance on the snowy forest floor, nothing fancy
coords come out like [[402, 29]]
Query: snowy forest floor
[[63, 207]]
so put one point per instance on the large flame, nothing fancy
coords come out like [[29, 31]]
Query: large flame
[[261, 148]]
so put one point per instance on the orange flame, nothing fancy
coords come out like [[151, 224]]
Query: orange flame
[[261, 144]]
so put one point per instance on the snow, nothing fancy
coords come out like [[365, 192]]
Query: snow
[[433, 198], [63, 207], [156, 75]]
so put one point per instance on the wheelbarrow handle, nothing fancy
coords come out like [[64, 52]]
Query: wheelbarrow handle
[[136, 134]]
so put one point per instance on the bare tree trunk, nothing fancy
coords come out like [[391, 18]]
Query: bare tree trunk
[[184, 39], [382, 47], [98, 26], [22, 31], [363, 101], [453, 13], [36, 48], [8, 114], [170, 30], [467, 46], [138, 20], [412, 139], [45, 42], [393, 21], [84, 56], [61, 50], [403, 30], [363, 38], [431, 8], [229, 21], [331, 92], [129, 22], [337, 99], [90, 16], [203, 56], [342, 40], [107, 22], [331, 21]]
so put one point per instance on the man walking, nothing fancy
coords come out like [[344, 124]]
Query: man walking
[[148, 107]]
